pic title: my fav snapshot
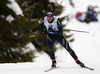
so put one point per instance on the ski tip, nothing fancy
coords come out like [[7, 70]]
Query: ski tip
[[45, 70], [89, 68], [92, 69]]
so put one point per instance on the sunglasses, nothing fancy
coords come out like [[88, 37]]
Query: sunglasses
[[50, 16]]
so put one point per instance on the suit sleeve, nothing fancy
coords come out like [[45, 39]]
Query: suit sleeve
[[59, 25], [41, 24]]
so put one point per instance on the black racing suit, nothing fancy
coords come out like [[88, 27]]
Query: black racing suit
[[57, 35]]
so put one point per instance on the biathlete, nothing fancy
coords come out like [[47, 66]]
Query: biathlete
[[54, 32]]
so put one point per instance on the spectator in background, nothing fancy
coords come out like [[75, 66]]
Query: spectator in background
[[91, 15], [78, 16]]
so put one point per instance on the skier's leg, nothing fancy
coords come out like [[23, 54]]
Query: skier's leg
[[50, 43], [65, 44]]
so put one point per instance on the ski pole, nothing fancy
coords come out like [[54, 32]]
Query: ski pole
[[76, 30], [58, 7], [51, 7], [71, 30]]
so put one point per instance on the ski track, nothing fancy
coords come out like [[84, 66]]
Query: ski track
[[38, 68]]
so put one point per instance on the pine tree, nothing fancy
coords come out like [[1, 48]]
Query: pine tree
[[14, 36]]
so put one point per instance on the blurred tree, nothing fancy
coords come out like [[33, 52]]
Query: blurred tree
[[4, 10], [14, 36]]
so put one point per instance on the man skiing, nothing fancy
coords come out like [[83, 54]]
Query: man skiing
[[54, 32]]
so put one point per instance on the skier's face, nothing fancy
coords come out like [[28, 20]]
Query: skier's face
[[50, 17]]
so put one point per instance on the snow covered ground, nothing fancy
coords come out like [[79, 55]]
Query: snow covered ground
[[86, 46], [38, 68]]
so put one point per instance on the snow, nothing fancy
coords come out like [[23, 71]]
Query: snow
[[15, 7], [86, 46], [9, 18], [2, 16], [38, 68]]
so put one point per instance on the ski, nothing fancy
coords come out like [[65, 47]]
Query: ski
[[88, 68], [59, 67], [51, 69]]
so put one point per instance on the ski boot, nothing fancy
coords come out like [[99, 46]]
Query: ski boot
[[80, 63], [53, 64]]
